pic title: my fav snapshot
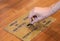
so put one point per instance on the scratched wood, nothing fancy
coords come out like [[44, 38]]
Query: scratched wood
[[12, 9]]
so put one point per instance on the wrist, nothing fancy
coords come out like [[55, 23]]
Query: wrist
[[55, 7]]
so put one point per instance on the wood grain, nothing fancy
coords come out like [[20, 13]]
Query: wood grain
[[12, 9]]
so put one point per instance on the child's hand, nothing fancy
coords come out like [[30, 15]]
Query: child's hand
[[38, 14]]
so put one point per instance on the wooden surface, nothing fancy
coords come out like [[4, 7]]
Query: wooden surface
[[12, 9]]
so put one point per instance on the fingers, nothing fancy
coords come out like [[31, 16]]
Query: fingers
[[32, 15], [33, 12], [37, 19]]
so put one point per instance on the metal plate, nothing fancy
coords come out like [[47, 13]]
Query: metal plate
[[20, 29]]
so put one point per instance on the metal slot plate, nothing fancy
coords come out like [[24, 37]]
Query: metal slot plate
[[20, 29]]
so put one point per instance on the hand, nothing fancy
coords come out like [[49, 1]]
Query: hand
[[38, 13]]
